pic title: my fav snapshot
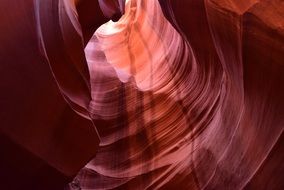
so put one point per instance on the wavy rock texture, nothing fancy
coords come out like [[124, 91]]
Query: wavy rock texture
[[183, 93], [187, 94], [42, 140]]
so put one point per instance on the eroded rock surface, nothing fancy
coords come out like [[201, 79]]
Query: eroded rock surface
[[185, 94]]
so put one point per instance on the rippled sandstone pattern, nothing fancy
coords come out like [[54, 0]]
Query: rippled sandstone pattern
[[185, 94]]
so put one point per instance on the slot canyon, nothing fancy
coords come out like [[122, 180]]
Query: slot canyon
[[142, 94]]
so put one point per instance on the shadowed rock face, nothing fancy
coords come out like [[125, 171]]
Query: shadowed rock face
[[185, 94], [43, 142]]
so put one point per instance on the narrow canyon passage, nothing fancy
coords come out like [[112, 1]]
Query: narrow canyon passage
[[159, 94]]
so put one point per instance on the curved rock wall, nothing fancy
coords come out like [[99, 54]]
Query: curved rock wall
[[183, 94]]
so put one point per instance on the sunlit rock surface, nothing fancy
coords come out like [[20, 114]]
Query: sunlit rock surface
[[184, 94], [188, 95]]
